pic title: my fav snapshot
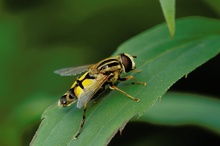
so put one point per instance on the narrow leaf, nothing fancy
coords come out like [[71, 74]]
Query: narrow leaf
[[168, 7]]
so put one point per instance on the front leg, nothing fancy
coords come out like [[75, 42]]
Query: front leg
[[113, 87], [131, 77]]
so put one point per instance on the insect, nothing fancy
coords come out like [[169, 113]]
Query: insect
[[94, 81]]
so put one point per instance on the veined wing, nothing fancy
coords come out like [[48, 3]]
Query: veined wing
[[71, 71], [91, 90]]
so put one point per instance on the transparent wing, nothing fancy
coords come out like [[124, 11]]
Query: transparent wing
[[90, 91], [71, 71]]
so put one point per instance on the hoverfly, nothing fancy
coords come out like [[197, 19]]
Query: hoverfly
[[94, 81]]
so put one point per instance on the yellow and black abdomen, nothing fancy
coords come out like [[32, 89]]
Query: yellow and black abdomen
[[81, 83], [83, 89]]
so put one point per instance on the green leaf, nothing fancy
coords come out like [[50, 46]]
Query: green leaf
[[185, 109], [214, 4], [162, 59], [168, 7]]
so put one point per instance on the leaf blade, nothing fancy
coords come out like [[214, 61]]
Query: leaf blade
[[163, 61], [168, 7]]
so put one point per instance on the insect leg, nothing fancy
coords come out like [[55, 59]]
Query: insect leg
[[132, 77], [82, 123], [112, 87]]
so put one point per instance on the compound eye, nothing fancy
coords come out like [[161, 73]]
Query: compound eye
[[127, 62]]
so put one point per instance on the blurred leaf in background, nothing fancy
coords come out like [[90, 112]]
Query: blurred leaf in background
[[168, 8], [38, 37], [189, 112]]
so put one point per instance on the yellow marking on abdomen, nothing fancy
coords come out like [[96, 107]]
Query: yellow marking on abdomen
[[78, 90], [87, 82]]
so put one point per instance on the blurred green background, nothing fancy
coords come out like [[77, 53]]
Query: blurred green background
[[38, 37]]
